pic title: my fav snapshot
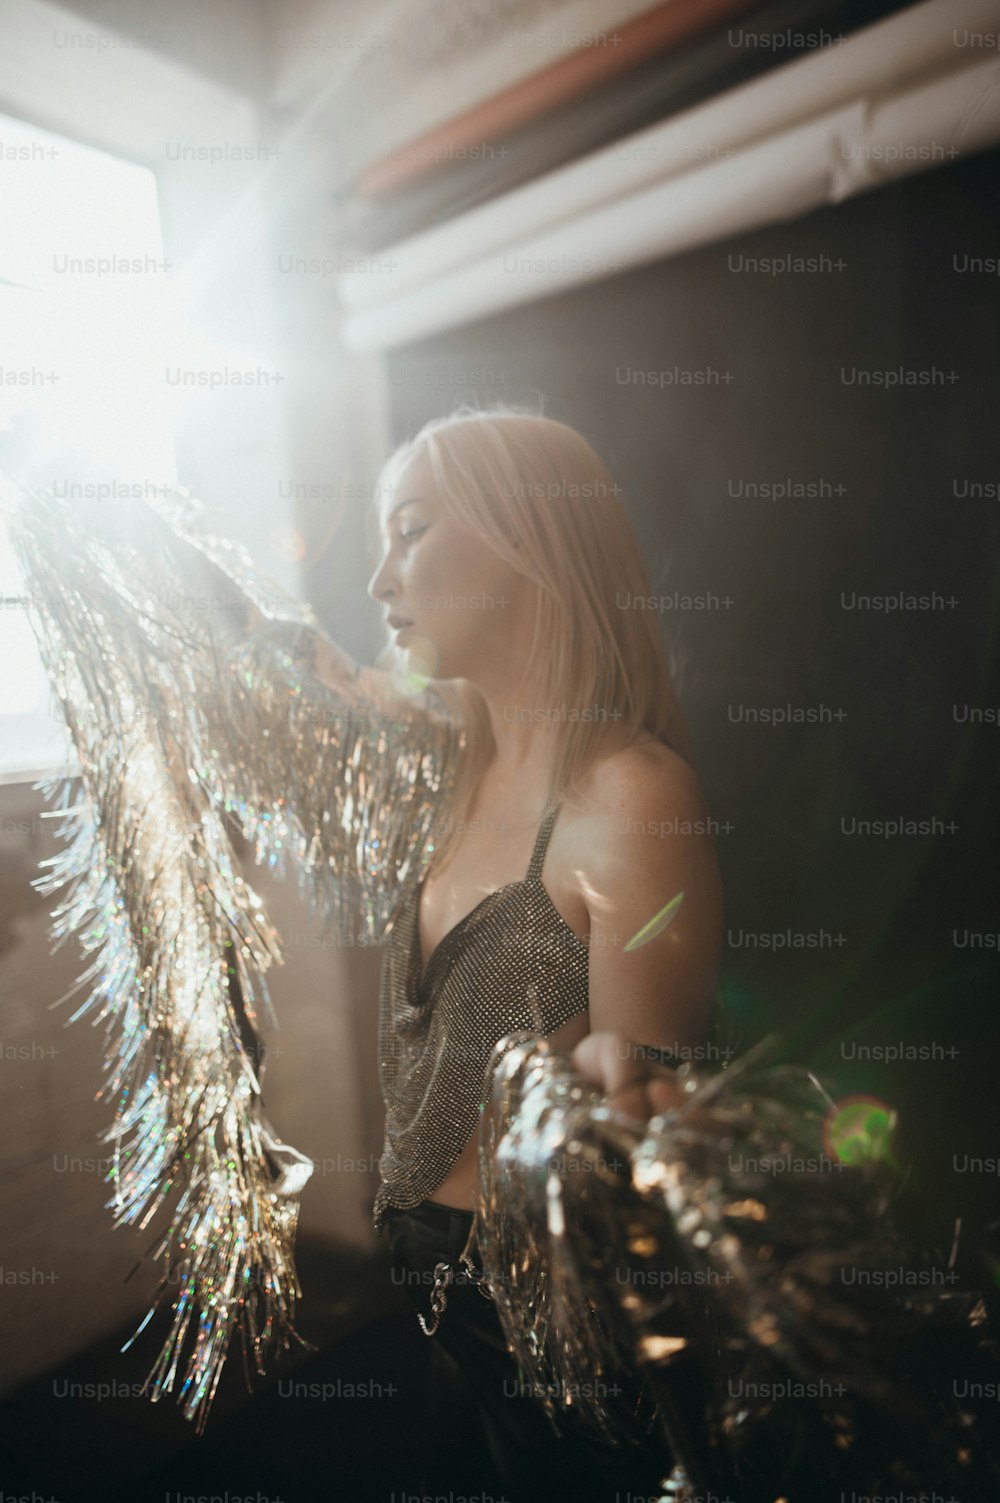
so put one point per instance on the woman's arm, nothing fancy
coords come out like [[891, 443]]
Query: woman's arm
[[654, 898]]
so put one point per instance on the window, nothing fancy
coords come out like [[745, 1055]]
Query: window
[[83, 403]]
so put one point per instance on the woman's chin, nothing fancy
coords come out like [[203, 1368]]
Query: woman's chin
[[418, 653]]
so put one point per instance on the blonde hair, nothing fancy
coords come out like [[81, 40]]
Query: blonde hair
[[536, 492]]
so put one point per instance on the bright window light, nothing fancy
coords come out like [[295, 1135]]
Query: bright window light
[[83, 347]]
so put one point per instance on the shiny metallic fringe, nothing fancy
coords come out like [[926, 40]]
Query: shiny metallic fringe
[[677, 1248], [191, 689]]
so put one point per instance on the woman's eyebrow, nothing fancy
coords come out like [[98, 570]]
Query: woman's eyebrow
[[400, 504]]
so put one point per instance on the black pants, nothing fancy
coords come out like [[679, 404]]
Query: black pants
[[535, 1457]]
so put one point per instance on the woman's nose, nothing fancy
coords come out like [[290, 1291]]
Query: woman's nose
[[380, 586]]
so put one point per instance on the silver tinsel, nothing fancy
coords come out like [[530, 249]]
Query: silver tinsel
[[196, 694], [708, 1248]]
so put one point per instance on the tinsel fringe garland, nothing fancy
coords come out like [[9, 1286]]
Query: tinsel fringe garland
[[194, 691], [677, 1247]]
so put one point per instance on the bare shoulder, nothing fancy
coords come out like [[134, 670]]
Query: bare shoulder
[[645, 776], [639, 810]]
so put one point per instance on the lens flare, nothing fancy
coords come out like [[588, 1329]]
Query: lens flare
[[656, 924], [421, 661], [288, 543], [859, 1129]]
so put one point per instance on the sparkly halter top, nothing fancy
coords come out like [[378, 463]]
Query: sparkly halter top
[[512, 962]]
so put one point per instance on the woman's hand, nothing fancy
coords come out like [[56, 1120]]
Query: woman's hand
[[635, 1086]]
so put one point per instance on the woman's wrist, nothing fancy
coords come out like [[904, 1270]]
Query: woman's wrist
[[635, 1083], [656, 1054]]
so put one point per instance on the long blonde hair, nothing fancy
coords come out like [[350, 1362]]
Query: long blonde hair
[[536, 492]]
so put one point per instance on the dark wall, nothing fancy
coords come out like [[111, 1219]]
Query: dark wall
[[874, 924]]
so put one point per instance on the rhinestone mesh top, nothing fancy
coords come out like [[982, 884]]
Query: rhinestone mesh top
[[512, 962]]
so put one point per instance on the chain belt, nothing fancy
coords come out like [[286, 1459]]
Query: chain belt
[[444, 1274]]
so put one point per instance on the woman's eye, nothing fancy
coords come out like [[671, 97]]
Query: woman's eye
[[414, 532]]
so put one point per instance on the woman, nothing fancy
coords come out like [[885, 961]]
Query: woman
[[514, 808], [537, 718], [511, 576]]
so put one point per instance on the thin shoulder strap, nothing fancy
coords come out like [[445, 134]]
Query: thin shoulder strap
[[541, 844]]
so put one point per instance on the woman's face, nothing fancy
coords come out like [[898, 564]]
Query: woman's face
[[458, 597]]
